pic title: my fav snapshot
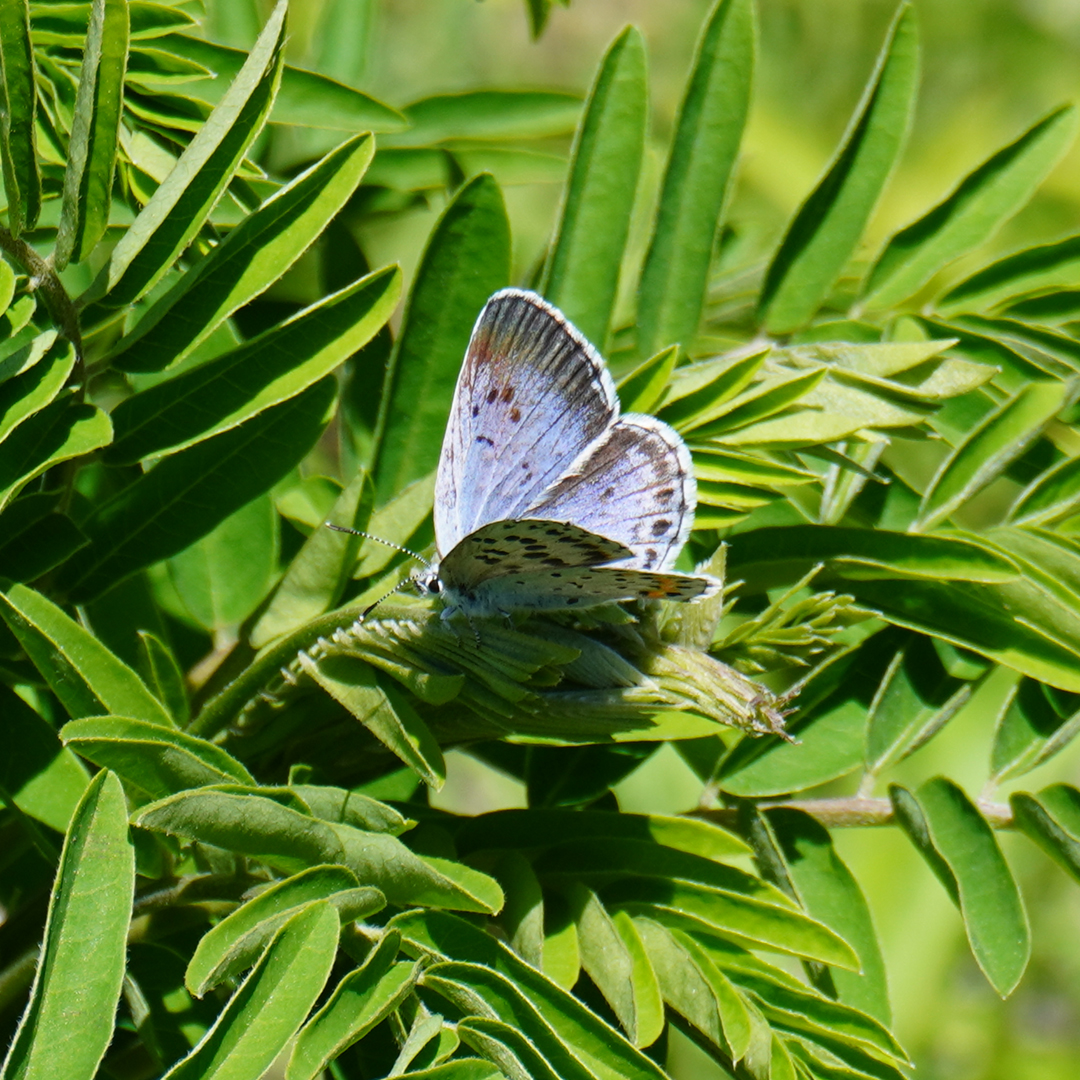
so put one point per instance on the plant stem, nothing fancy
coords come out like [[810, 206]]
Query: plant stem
[[853, 812], [44, 277]]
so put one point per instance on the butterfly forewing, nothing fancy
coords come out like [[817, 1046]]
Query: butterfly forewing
[[527, 548], [531, 396], [634, 484]]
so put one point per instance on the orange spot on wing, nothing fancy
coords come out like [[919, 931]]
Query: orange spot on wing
[[664, 587]]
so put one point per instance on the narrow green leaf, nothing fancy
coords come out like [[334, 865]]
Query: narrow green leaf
[[187, 494], [649, 1017], [253, 824], [224, 576], [18, 97], [157, 760], [582, 272], [68, 1022], [44, 780], [33, 389], [1052, 494], [1042, 268], [467, 259], [352, 808], [270, 1004], [306, 98], [86, 677], [520, 830], [95, 126], [250, 259], [489, 114], [984, 454], [161, 673], [914, 700], [1029, 730], [829, 225], [181, 203], [480, 992], [317, 575], [236, 942], [970, 215], [702, 158], [36, 538], [62, 430], [1052, 820], [697, 989], [642, 389], [384, 711], [828, 891], [363, 998], [23, 348], [987, 895], [506, 1046], [264, 371], [458, 1069], [606, 1053], [743, 919]]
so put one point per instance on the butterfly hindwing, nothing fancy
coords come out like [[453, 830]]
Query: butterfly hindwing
[[635, 484], [531, 397], [503, 549], [586, 586]]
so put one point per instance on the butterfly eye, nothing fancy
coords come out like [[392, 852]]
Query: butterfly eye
[[434, 586]]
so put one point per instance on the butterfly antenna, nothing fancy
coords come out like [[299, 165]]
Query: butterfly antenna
[[379, 540], [385, 596]]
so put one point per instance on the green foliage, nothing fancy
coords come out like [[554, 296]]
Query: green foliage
[[225, 776]]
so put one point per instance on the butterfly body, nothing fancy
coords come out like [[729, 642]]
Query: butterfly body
[[546, 498]]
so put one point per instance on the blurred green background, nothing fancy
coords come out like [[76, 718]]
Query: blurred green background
[[990, 69]]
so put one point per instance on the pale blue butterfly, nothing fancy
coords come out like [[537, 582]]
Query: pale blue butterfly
[[541, 484]]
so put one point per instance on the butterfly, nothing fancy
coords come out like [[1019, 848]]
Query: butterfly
[[546, 498]]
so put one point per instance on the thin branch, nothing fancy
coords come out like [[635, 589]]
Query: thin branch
[[44, 277], [853, 812]]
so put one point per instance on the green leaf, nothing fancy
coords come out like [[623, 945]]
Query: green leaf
[[984, 888], [829, 225], [23, 348], [520, 830], [251, 824], [37, 539], [642, 389], [224, 576], [1029, 730], [18, 96], [458, 1069], [86, 677], [95, 127], [264, 371], [270, 1004], [489, 114], [981, 203], [1041, 268], [1001, 437], [351, 808], [829, 892], [33, 389], [467, 259], [604, 1052], [744, 919], [513, 1052], [582, 272], [44, 780], [184, 496], [702, 158], [250, 259], [306, 98], [236, 942], [1052, 820], [68, 1022], [180, 205], [317, 575], [62, 430], [157, 760], [362, 999], [915, 699], [1052, 494], [697, 989], [161, 673], [376, 702]]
